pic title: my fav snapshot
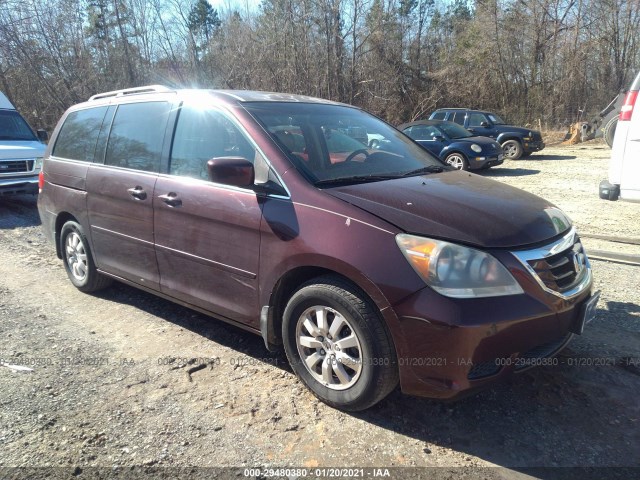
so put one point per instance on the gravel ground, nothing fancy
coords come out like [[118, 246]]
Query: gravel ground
[[124, 379]]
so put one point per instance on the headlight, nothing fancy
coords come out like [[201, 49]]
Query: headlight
[[530, 134], [456, 271], [476, 148], [38, 163]]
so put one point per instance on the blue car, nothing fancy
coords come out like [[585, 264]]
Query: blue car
[[454, 145]]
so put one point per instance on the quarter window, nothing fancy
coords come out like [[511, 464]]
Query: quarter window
[[79, 133], [136, 136], [203, 134]]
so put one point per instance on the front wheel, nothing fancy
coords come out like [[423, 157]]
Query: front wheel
[[338, 345], [457, 161], [512, 149], [78, 260]]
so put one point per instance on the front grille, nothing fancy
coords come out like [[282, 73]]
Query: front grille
[[16, 166], [537, 137], [562, 271], [546, 350]]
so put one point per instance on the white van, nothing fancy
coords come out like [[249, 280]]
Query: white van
[[21, 151], [624, 169]]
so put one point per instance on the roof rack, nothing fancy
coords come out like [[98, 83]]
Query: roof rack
[[132, 91]]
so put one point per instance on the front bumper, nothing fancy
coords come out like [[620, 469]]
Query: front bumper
[[533, 146], [18, 185], [451, 347], [479, 162]]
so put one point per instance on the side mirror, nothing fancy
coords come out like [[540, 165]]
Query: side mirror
[[43, 136], [234, 171], [484, 124], [439, 138]]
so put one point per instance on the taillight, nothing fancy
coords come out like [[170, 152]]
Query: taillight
[[40, 180], [627, 109]]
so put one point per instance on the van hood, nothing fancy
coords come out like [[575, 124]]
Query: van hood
[[460, 207], [18, 150]]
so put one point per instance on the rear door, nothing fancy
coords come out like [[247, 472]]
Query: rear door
[[207, 235], [120, 192]]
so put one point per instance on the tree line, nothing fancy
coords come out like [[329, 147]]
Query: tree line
[[539, 62]]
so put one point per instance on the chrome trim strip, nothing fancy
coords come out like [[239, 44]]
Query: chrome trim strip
[[567, 241]]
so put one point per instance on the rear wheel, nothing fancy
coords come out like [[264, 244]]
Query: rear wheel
[[338, 345], [78, 260], [457, 160], [609, 131], [512, 149]]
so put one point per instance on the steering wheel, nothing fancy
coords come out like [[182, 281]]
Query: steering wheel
[[355, 153]]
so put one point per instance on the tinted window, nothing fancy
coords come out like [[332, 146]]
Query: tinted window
[[457, 117], [13, 127], [136, 136], [476, 119], [438, 116], [79, 133], [203, 134]]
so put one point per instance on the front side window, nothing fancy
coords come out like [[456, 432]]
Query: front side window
[[202, 134], [328, 143], [423, 132], [439, 116], [79, 133], [14, 127], [136, 136], [476, 119]]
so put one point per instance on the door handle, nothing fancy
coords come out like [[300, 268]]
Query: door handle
[[137, 192], [171, 199]]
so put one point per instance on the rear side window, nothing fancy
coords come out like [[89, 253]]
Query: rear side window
[[203, 134], [457, 117], [78, 135], [439, 116], [136, 136]]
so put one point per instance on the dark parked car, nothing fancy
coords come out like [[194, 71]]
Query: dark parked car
[[370, 266], [517, 142], [454, 145]]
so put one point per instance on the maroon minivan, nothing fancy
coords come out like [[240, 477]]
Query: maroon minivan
[[371, 266]]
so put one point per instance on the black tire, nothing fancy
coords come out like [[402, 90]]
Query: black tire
[[378, 372], [512, 149], [457, 160], [609, 131], [78, 260]]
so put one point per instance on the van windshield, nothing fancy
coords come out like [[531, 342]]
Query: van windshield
[[13, 127], [334, 144]]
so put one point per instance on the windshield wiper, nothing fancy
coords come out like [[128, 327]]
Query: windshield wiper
[[423, 170], [356, 179]]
